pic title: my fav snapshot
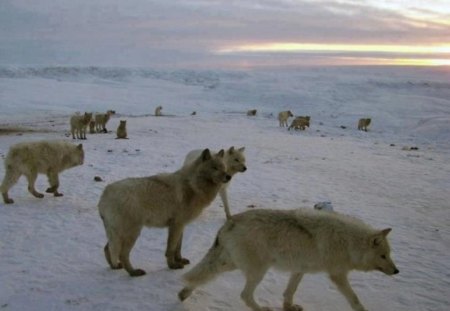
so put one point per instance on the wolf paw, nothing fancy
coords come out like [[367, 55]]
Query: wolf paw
[[292, 308], [183, 261], [175, 265], [38, 195], [8, 201], [58, 194], [184, 293], [137, 272]]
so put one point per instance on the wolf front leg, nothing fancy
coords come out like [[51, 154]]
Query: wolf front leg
[[345, 288], [291, 288], [53, 180], [174, 240], [224, 197]]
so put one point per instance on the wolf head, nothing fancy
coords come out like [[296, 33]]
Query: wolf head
[[212, 167], [235, 160], [74, 157], [123, 123], [290, 113], [378, 256]]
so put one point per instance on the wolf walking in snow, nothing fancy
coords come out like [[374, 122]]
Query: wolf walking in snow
[[234, 160], [300, 241], [158, 111], [166, 200], [300, 122], [45, 157]]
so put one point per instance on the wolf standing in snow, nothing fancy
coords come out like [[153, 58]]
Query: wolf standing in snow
[[234, 162], [300, 241], [283, 117], [79, 124], [165, 200], [45, 157]]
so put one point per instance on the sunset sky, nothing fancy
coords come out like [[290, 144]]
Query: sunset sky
[[224, 33]]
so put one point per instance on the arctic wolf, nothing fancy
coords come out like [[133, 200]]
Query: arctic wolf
[[300, 241], [78, 125], [252, 112], [283, 117], [45, 157], [234, 162], [101, 119], [165, 200], [158, 111], [122, 130], [363, 124], [300, 122]]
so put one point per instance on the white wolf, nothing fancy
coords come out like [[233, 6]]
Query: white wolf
[[283, 117], [45, 157], [158, 111], [234, 162], [79, 124], [101, 119], [164, 200], [300, 241]]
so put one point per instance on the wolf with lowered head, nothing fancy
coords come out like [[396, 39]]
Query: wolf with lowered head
[[299, 241], [166, 200]]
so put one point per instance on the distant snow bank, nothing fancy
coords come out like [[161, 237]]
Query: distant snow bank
[[411, 104]]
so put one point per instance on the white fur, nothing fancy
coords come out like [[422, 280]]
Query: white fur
[[300, 241], [283, 117], [44, 157], [234, 160], [165, 200]]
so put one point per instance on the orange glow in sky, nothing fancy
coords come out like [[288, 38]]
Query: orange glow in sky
[[359, 54], [313, 47]]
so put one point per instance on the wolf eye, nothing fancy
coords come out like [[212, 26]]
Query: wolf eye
[[383, 256], [237, 160]]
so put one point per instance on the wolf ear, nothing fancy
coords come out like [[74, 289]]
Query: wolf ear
[[221, 153], [385, 232], [378, 238], [206, 155], [241, 149], [80, 147], [231, 150]]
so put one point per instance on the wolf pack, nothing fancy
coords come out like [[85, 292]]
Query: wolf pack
[[299, 241]]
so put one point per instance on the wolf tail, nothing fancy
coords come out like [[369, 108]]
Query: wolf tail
[[216, 261]]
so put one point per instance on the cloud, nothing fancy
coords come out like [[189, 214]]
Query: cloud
[[161, 32]]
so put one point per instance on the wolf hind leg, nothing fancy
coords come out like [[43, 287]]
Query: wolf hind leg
[[31, 177], [346, 290], [10, 179], [216, 261], [253, 278], [124, 256], [288, 294], [53, 180], [112, 261]]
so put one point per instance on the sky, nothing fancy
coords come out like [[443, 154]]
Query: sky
[[224, 33]]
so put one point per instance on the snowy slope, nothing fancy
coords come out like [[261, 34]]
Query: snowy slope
[[51, 250]]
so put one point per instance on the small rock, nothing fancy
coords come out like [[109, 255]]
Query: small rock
[[98, 178]]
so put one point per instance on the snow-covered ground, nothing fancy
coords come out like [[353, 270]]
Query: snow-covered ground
[[51, 250]]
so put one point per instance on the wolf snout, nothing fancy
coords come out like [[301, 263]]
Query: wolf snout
[[244, 169], [396, 271], [227, 178]]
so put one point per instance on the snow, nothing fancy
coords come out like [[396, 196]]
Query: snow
[[51, 249]]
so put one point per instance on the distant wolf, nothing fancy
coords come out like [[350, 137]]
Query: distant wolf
[[158, 111], [234, 160], [300, 122], [300, 241], [363, 124], [44, 157], [78, 125], [122, 130], [283, 117], [101, 119], [92, 127], [166, 200], [252, 112]]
